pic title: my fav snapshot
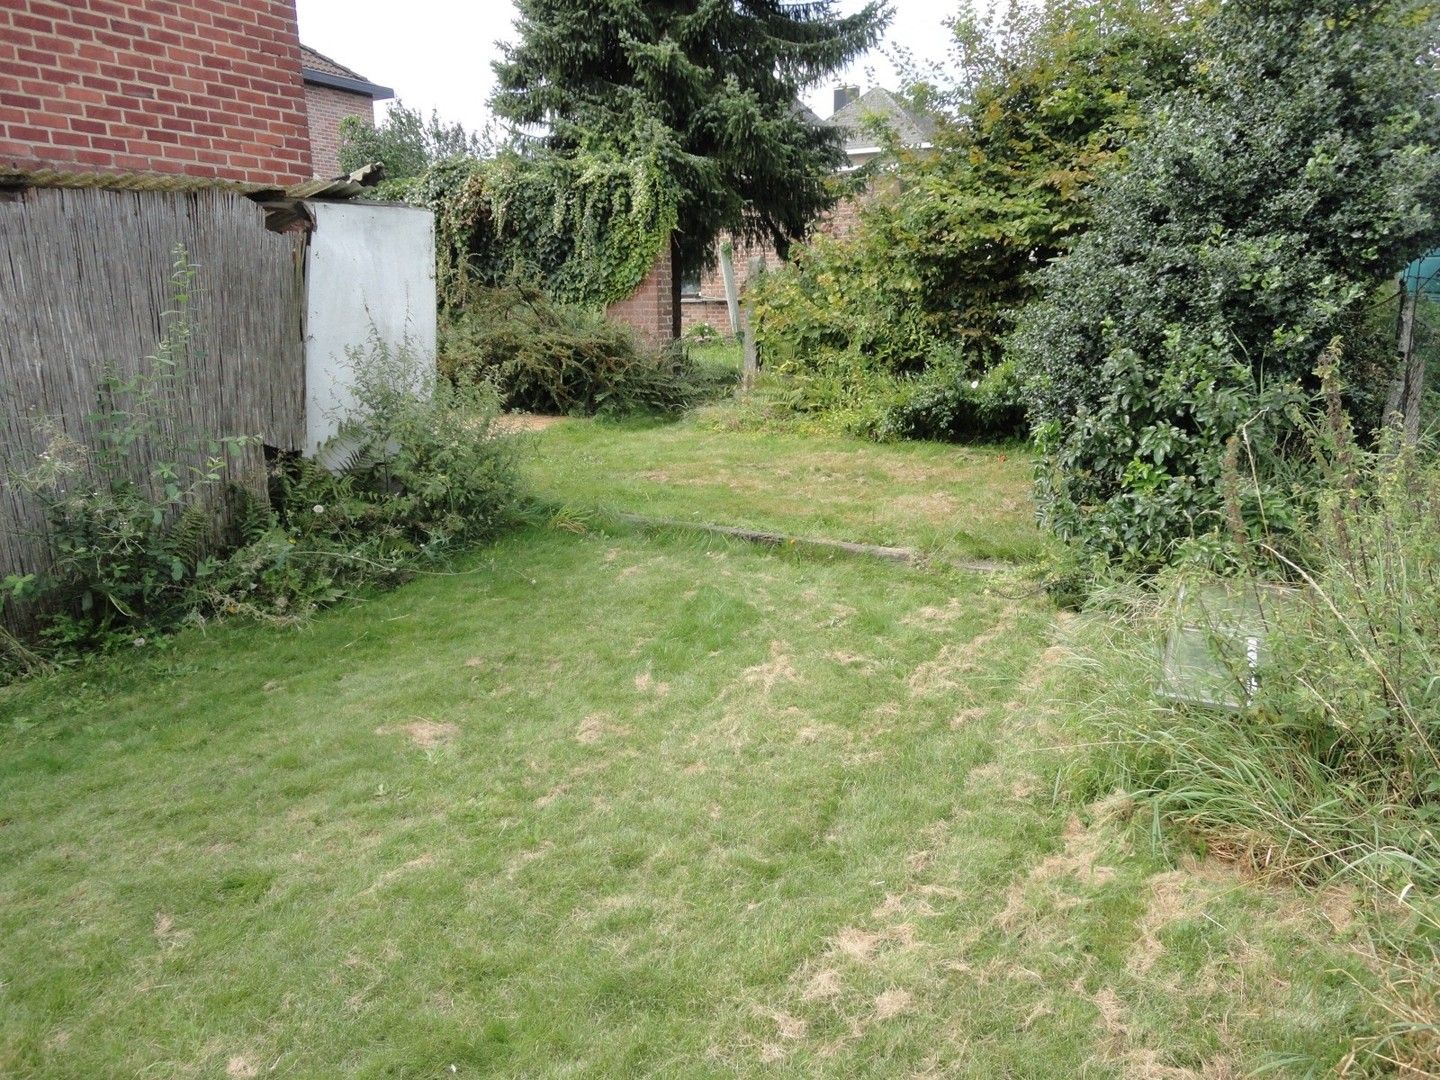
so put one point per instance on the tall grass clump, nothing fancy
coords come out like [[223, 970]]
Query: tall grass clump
[[1329, 768], [1332, 764]]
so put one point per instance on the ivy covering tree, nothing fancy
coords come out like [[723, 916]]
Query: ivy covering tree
[[1268, 200], [706, 89]]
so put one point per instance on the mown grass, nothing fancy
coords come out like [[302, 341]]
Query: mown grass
[[612, 805], [961, 501]]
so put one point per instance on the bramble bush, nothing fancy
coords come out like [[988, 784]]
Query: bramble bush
[[1266, 202], [562, 359]]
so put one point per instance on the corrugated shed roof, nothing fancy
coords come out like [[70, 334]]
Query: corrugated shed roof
[[320, 62], [912, 128]]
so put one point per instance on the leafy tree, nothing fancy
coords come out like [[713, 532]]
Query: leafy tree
[[1040, 102], [1266, 202], [405, 142], [706, 88]]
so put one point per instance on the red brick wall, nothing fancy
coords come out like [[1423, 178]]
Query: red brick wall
[[326, 107], [201, 87], [650, 309], [710, 307]]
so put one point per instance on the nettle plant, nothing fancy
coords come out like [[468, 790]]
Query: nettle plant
[[416, 473], [128, 545]]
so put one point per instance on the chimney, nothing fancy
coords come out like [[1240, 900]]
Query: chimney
[[844, 95]]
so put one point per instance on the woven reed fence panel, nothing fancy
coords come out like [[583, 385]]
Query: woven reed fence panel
[[85, 287]]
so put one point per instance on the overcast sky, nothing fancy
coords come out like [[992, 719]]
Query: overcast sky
[[437, 53]]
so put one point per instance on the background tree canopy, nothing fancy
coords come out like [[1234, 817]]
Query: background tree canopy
[[405, 142], [1037, 105], [706, 89]]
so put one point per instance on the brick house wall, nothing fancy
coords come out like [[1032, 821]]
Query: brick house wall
[[651, 309], [199, 87], [326, 107]]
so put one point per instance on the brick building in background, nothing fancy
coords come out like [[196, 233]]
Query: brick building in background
[[197, 87], [702, 299], [334, 92]]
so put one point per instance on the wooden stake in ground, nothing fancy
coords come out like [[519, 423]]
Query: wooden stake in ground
[[732, 294], [1402, 407], [752, 348]]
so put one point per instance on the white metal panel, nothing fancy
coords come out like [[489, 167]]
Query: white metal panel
[[370, 271]]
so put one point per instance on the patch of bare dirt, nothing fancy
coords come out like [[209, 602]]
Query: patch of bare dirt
[[949, 670], [516, 423], [777, 669], [426, 734]]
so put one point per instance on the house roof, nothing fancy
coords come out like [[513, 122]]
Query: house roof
[[319, 69], [878, 103]]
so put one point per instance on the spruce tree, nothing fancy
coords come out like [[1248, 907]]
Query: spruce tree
[[713, 85]]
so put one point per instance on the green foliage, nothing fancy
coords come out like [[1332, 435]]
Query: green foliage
[[1333, 767], [415, 472], [562, 359], [946, 252], [404, 142], [128, 550], [1253, 224], [585, 228], [706, 90], [702, 333], [419, 475]]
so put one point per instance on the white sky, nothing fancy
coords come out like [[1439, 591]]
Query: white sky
[[436, 54]]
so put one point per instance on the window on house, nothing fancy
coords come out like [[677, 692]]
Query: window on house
[[690, 284]]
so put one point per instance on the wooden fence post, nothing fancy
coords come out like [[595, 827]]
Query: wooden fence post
[[752, 347], [1402, 406], [732, 294]]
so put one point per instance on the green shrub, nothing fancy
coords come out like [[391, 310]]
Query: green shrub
[[1332, 767], [949, 241], [416, 472], [1258, 214], [561, 359], [419, 473], [953, 403], [702, 334]]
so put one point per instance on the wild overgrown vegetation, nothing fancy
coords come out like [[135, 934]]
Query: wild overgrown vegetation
[[559, 359], [417, 474], [1252, 225], [897, 330]]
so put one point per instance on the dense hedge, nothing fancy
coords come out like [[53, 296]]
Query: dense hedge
[[561, 359], [912, 309], [1252, 226]]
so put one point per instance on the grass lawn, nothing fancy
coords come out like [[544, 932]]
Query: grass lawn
[[615, 804], [967, 502]]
